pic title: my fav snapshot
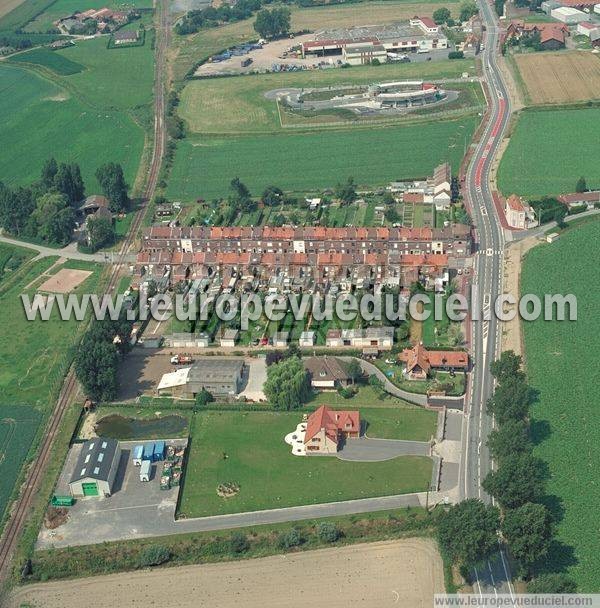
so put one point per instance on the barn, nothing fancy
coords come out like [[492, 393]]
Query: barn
[[96, 468]]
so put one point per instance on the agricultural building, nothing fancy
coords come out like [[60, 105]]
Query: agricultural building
[[220, 377], [96, 468], [364, 53], [126, 36], [568, 15], [326, 429], [585, 28]]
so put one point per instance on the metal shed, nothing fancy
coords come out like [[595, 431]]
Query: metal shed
[[145, 470]]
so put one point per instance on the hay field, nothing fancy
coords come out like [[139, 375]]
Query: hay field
[[8, 5], [560, 77]]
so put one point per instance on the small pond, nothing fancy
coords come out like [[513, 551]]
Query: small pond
[[120, 427]]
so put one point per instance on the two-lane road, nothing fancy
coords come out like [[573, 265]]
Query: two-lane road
[[493, 577]]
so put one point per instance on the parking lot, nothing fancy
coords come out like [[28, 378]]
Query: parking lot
[[135, 509], [143, 368]]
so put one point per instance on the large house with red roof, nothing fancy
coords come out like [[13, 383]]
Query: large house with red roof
[[552, 35], [420, 362], [326, 430]]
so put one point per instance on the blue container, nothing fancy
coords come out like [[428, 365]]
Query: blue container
[[138, 453], [148, 451], [159, 451]]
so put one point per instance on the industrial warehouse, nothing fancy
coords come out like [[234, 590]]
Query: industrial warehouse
[[364, 43]]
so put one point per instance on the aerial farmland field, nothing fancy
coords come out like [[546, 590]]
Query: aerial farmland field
[[307, 161], [268, 474], [562, 364], [549, 150], [46, 58], [560, 77]]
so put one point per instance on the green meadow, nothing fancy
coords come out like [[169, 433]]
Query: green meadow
[[549, 150], [204, 166], [562, 364]]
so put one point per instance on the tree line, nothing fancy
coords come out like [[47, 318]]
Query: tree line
[[99, 354], [468, 531], [46, 209]]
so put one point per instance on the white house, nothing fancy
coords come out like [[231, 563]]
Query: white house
[[585, 28], [518, 214], [307, 339], [229, 338]]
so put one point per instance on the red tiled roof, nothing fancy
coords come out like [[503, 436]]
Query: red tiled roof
[[580, 197], [333, 422], [419, 356], [552, 34], [428, 22], [413, 197], [514, 202]]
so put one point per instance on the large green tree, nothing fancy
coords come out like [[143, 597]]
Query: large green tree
[[467, 532], [441, 15], [507, 366], [511, 400], [100, 232], [528, 532], [519, 479], [346, 191], [288, 384], [273, 23], [55, 218], [68, 181], [111, 180], [552, 583], [510, 438], [16, 208]]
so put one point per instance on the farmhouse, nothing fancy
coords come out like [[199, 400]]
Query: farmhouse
[[420, 362], [126, 36], [326, 430], [589, 199], [326, 372], [518, 214], [96, 468], [421, 33], [220, 377], [552, 35]]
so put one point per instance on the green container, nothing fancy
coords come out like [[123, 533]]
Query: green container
[[62, 501]]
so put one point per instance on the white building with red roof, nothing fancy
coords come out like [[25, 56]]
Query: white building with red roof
[[326, 430], [519, 214]]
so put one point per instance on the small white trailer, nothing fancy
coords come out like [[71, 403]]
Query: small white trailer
[[145, 469]]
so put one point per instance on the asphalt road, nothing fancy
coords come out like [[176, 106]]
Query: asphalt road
[[493, 577]]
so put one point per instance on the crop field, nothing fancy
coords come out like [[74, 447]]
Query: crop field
[[16, 13], [33, 377], [49, 59], [569, 141], [64, 8], [234, 105], [42, 119], [562, 364], [248, 448], [18, 426], [191, 49], [308, 161], [11, 258], [560, 77]]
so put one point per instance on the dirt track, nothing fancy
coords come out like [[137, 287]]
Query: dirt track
[[402, 574], [560, 77]]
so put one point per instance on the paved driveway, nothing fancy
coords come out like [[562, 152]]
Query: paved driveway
[[373, 450]]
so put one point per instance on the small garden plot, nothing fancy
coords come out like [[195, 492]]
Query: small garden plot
[[247, 449]]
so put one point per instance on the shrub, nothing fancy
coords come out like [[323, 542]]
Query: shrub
[[328, 532], [456, 55], [154, 555], [289, 539], [347, 392], [239, 543]]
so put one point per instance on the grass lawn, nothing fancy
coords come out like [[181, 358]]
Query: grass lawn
[[305, 161], [394, 374], [31, 372], [562, 364], [11, 258], [190, 49], [248, 448], [49, 59], [234, 105], [573, 137]]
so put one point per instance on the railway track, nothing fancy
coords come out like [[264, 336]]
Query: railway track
[[22, 506]]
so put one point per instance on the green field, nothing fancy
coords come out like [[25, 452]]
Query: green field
[[18, 426], [33, 374], [52, 60], [562, 364], [41, 119], [234, 105], [550, 150], [204, 166], [11, 259], [23, 13], [248, 448], [64, 8]]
